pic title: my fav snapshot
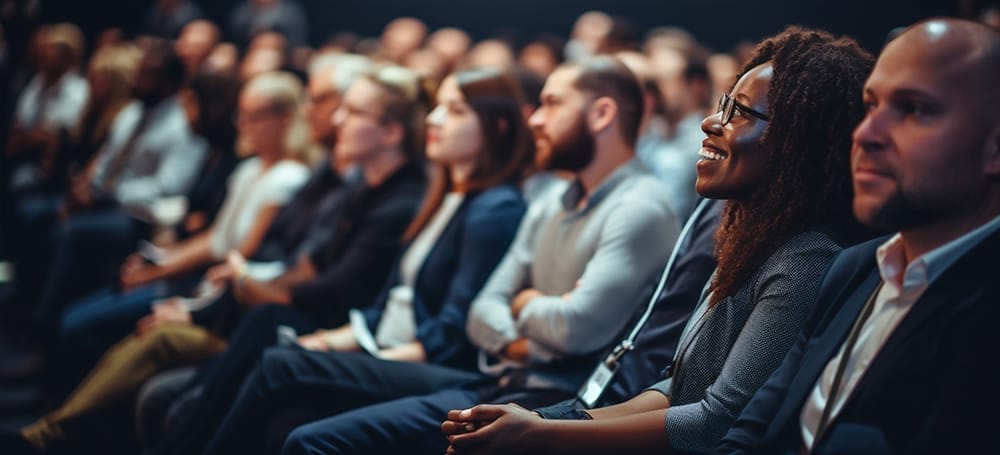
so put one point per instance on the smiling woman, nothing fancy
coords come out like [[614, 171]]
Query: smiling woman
[[777, 150]]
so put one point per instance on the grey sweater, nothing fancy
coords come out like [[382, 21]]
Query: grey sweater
[[591, 263]]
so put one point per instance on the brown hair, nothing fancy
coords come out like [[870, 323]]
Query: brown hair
[[507, 147], [608, 76], [814, 101]]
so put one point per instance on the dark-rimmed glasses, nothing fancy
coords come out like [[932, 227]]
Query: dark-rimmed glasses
[[728, 105]]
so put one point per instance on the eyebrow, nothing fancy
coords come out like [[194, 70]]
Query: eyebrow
[[905, 92], [550, 97]]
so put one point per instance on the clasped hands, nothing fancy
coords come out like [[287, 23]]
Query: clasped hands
[[492, 428]]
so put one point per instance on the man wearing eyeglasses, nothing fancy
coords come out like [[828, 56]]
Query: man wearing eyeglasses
[[898, 362]]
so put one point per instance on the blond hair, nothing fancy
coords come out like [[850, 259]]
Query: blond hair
[[119, 64], [283, 92]]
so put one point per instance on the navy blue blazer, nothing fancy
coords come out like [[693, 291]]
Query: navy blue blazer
[[931, 389], [458, 265]]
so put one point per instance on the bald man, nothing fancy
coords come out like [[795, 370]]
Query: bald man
[[902, 359]]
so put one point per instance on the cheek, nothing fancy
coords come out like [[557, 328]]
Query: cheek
[[469, 138]]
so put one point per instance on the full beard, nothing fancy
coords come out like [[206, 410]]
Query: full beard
[[573, 153]]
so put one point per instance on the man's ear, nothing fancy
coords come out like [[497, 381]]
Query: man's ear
[[602, 114], [394, 134]]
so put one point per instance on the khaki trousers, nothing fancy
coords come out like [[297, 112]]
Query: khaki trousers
[[119, 375]]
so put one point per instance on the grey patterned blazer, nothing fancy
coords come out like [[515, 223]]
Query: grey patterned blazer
[[727, 352]]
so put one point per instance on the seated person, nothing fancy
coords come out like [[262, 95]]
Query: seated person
[[151, 153], [298, 227], [785, 218], [380, 127], [911, 319], [480, 146], [583, 261], [258, 188]]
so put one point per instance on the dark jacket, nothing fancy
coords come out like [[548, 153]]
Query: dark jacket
[[912, 398], [367, 237], [463, 257], [304, 223]]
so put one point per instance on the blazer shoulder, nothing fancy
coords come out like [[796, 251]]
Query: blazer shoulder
[[854, 257], [496, 197]]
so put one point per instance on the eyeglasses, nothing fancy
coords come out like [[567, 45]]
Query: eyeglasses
[[261, 114], [728, 105]]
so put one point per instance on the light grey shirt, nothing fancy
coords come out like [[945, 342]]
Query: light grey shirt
[[165, 161], [591, 262]]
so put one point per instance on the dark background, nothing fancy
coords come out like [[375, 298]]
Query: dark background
[[718, 23]]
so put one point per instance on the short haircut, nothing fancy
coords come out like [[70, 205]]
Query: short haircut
[[162, 54], [606, 76]]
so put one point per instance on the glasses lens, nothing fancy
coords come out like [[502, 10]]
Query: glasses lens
[[726, 108]]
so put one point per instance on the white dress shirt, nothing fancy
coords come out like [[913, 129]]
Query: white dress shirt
[[59, 106], [903, 284]]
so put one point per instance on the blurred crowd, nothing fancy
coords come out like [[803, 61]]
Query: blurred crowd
[[203, 223]]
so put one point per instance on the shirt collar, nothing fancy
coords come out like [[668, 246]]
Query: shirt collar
[[929, 266], [572, 196]]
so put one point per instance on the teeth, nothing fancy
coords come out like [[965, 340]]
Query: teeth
[[711, 155]]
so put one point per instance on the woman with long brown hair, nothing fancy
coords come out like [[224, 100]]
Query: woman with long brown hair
[[478, 153], [412, 337]]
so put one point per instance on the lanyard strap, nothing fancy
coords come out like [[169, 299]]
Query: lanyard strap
[[852, 339], [628, 343]]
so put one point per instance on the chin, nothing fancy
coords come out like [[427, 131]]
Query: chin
[[706, 190], [872, 213]]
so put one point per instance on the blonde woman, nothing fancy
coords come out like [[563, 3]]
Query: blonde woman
[[268, 115]]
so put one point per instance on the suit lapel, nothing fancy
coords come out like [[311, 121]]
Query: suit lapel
[[961, 285], [847, 286], [824, 345]]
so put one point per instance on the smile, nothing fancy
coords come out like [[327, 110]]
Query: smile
[[712, 155]]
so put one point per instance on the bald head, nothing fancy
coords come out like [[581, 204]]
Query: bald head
[[962, 51], [926, 157]]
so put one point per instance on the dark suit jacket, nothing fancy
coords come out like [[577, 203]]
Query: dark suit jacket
[[352, 267], [458, 265], [929, 390]]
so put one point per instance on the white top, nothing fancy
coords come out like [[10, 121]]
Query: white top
[[250, 190], [398, 325], [60, 106], [165, 157], [900, 290]]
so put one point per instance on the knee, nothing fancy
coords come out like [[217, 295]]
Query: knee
[[277, 366], [159, 344], [301, 441]]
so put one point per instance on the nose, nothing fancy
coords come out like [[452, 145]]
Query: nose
[[436, 116], [537, 118], [338, 116], [712, 125], [870, 133]]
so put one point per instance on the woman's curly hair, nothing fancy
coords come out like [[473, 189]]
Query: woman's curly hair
[[814, 101]]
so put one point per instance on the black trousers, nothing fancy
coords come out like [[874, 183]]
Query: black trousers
[[222, 378], [327, 383]]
